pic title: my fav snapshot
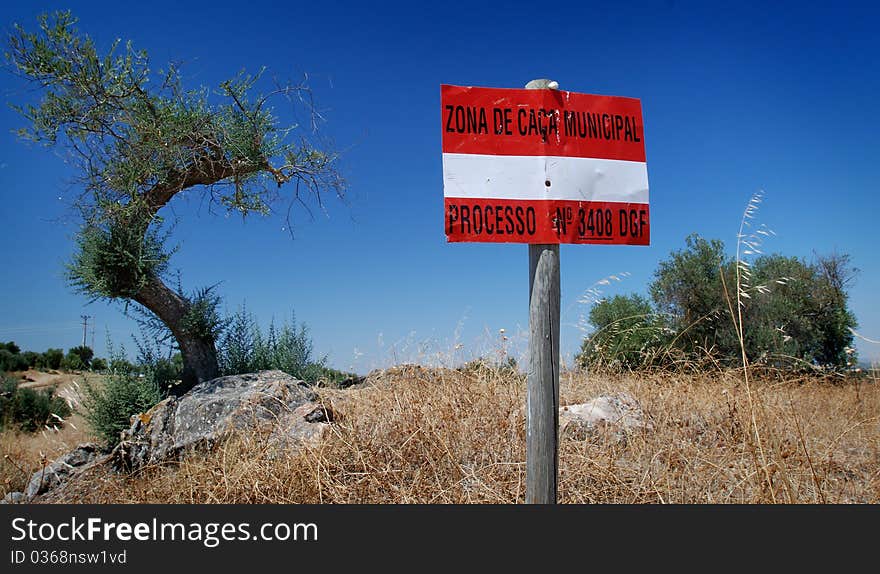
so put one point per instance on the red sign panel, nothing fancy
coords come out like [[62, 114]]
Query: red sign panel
[[543, 166]]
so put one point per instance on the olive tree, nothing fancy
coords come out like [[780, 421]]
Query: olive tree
[[139, 139]]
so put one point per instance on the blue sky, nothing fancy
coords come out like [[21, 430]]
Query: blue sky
[[736, 97]]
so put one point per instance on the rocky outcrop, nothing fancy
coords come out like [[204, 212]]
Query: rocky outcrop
[[271, 400], [614, 416], [14, 498], [62, 469]]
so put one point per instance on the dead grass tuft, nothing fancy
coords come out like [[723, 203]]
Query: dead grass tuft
[[417, 435]]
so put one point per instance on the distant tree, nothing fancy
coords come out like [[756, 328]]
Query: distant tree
[[85, 355], [834, 275], [799, 311], [31, 358], [688, 288], [52, 358], [628, 334], [139, 139], [28, 409], [72, 362], [99, 364], [11, 361], [11, 347]]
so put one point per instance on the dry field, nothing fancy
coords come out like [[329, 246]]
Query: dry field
[[416, 435], [25, 453]]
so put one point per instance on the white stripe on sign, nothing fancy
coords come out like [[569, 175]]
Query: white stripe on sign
[[526, 177]]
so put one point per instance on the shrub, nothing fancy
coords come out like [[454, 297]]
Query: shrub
[[52, 359], [688, 289], [72, 362], [109, 407], [127, 390], [12, 361], [245, 349], [11, 347], [29, 410], [629, 334], [31, 358], [85, 355], [794, 313], [99, 364]]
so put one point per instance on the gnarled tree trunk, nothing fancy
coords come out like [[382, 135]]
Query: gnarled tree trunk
[[198, 351]]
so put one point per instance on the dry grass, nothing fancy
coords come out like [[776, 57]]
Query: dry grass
[[22, 454], [416, 435]]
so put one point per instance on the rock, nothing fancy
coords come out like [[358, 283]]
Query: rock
[[306, 424], [214, 409], [351, 382], [14, 498], [58, 472], [617, 414]]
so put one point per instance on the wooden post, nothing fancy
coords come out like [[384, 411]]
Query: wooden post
[[542, 411]]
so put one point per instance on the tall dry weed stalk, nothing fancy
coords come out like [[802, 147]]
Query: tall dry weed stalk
[[749, 241]]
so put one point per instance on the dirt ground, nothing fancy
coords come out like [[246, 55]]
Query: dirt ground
[[25, 453]]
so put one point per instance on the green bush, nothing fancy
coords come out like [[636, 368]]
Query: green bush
[[794, 313], [52, 359], [245, 349], [72, 362], [108, 407], [11, 347], [126, 391], [12, 361], [85, 355], [29, 410], [31, 358], [629, 335]]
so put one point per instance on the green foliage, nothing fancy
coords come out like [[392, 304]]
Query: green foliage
[[164, 371], [688, 289], [140, 137], [628, 335], [29, 410], [12, 362], [11, 347], [119, 364], [72, 362], [202, 319], [84, 355], [99, 364], [109, 406], [31, 359], [137, 138], [52, 359], [245, 349], [242, 349], [114, 259], [795, 313], [11, 358]]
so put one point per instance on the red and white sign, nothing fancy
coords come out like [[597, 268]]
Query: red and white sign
[[543, 166]]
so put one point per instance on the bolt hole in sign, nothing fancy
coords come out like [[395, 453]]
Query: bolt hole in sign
[[543, 166]]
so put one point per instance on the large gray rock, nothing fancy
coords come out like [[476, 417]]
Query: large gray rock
[[614, 415], [58, 472], [212, 410]]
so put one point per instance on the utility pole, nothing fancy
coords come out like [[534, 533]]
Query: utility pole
[[85, 319]]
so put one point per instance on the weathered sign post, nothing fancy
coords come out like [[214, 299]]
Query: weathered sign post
[[543, 167]]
